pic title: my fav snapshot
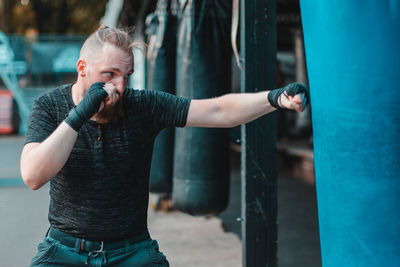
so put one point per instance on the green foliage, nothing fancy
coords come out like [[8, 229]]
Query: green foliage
[[49, 16]]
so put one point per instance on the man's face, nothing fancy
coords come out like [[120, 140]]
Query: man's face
[[114, 66]]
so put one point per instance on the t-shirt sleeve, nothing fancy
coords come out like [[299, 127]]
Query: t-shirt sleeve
[[41, 123], [165, 109]]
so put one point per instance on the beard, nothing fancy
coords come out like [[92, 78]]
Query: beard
[[110, 113]]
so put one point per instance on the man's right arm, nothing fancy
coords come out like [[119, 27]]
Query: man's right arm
[[41, 161]]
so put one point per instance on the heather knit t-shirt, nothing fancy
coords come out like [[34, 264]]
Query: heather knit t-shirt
[[102, 191]]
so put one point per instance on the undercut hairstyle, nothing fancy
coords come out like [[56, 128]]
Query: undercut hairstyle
[[120, 38]]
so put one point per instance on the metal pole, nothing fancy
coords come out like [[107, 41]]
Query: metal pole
[[259, 185]]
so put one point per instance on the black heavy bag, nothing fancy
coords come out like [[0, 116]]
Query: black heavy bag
[[201, 161], [161, 55]]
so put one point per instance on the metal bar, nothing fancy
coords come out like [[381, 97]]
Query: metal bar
[[259, 184]]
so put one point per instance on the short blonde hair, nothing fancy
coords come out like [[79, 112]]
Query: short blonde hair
[[120, 38]]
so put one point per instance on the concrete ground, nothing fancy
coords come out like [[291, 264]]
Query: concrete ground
[[186, 240]]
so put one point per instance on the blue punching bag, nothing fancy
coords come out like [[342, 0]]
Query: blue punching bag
[[353, 59]]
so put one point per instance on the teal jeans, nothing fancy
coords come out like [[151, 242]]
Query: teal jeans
[[145, 253]]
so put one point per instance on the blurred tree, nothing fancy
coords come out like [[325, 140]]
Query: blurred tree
[[85, 15], [134, 12], [51, 16], [48, 16], [5, 7], [21, 18], [67, 16]]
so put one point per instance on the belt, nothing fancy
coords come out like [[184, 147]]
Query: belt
[[95, 246]]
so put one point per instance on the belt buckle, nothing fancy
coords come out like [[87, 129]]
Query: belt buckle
[[101, 248], [94, 253]]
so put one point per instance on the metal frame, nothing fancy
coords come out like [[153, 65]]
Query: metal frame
[[8, 73], [259, 178]]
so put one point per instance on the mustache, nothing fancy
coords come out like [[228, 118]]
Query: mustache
[[109, 97], [111, 113]]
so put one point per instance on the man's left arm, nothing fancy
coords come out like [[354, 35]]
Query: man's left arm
[[234, 109]]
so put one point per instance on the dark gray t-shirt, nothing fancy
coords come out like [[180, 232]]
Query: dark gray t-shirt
[[102, 191]]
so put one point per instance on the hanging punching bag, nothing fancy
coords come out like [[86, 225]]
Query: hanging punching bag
[[352, 53], [160, 75], [201, 162]]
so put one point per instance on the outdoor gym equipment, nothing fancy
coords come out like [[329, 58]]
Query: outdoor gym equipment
[[9, 69]]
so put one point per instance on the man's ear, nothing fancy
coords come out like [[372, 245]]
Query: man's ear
[[81, 67]]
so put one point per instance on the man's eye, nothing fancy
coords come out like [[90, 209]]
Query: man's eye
[[109, 74], [127, 76]]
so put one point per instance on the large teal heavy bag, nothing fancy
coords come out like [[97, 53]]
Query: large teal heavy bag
[[352, 52]]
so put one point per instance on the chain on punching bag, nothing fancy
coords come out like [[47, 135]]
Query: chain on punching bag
[[201, 162], [160, 76]]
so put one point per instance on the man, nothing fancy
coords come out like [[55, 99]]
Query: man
[[93, 141]]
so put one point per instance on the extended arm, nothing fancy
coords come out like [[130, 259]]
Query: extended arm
[[41, 161], [234, 109]]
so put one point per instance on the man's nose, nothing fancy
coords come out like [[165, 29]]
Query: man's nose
[[119, 84]]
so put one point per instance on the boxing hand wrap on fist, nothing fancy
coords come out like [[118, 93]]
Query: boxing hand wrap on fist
[[274, 96], [89, 106]]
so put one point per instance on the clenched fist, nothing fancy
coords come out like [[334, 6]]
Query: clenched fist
[[293, 96], [89, 106]]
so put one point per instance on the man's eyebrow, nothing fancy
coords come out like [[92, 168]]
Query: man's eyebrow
[[110, 68], [115, 69]]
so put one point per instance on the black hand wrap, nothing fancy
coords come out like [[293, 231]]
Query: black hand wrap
[[291, 89], [89, 106]]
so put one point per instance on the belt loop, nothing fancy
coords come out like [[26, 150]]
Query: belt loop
[[77, 247]]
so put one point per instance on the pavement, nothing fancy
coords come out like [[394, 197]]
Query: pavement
[[186, 240]]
